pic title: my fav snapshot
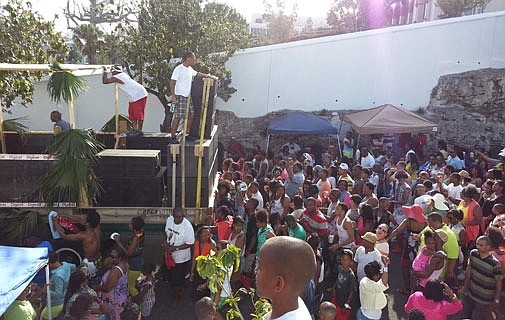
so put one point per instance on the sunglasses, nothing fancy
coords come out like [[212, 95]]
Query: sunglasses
[[382, 229]]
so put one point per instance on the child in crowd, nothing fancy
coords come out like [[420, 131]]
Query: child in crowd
[[327, 311], [206, 310], [371, 291], [134, 250], [280, 284], [223, 223], [59, 277], [345, 286], [204, 244], [298, 207], [145, 286], [422, 260], [382, 244], [454, 217]]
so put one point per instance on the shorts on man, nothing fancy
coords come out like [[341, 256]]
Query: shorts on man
[[136, 109], [180, 107]]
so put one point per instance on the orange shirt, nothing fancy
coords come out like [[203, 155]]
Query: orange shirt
[[205, 251]]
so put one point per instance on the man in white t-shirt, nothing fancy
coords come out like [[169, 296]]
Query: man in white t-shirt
[[136, 92], [366, 253], [453, 190], [180, 86], [180, 237]]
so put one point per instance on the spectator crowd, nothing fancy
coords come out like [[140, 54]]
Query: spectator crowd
[[348, 209]]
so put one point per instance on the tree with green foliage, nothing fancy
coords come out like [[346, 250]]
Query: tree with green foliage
[[166, 29], [456, 8], [24, 38], [347, 16], [280, 23], [89, 39]]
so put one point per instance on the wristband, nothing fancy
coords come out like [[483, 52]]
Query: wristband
[[385, 269]]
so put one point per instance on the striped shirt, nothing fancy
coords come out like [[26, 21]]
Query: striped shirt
[[485, 273], [316, 221]]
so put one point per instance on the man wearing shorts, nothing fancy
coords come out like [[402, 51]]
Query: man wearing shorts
[[180, 86], [137, 94]]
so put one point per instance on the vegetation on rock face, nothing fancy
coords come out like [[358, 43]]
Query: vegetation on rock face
[[24, 38]]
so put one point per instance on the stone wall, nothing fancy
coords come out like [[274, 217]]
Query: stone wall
[[469, 108]]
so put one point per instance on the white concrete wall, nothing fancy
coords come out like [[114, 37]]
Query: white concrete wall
[[398, 65]]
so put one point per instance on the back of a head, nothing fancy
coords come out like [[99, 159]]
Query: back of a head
[[293, 252], [416, 314], [327, 310], [137, 223], [203, 308], [93, 218], [372, 269], [53, 257]]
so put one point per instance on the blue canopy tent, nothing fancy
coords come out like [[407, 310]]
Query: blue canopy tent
[[300, 123], [19, 266]]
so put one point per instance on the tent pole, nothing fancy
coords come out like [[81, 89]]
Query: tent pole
[[2, 136], [268, 143], [49, 310]]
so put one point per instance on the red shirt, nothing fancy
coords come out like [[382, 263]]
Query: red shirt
[[317, 221], [224, 228]]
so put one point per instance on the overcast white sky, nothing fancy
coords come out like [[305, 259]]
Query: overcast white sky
[[306, 8]]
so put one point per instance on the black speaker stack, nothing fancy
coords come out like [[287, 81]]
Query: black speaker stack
[[130, 178]]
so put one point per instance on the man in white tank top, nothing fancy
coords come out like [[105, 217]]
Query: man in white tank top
[[136, 92]]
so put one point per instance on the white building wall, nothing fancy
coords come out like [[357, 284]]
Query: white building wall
[[398, 65]]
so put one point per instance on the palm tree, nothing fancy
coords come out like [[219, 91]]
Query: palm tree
[[71, 178]]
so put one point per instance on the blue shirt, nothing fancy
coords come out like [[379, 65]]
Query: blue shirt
[[59, 281], [62, 124]]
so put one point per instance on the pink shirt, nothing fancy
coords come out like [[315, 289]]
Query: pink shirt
[[432, 310]]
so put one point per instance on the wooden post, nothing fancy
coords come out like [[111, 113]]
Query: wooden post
[[2, 137], [207, 84], [71, 113], [116, 97]]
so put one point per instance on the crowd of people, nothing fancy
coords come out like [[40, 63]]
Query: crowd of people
[[316, 234]]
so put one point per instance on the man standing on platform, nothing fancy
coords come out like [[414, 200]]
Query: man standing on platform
[[137, 94], [180, 86], [59, 124]]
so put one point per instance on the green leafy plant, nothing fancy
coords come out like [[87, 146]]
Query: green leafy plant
[[216, 268], [71, 178], [15, 124], [17, 225], [64, 85], [110, 126]]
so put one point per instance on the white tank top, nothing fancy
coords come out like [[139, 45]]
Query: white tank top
[[234, 241], [277, 207], [132, 88], [342, 234]]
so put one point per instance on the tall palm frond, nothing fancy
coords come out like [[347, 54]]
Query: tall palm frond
[[64, 85], [71, 178], [17, 225], [15, 124]]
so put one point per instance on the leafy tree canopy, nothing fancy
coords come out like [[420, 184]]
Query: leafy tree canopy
[[166, 29], [456, 8], [280, 23], [24, 38]]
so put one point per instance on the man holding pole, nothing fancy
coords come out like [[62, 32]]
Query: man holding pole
[[136, 92], [180, 86]]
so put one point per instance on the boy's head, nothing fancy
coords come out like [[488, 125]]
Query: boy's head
[[205, 309], [498, 209], [298, 202], [347, 258], [54, 259], [276, 282], [373, 271], [137, 224], [454, 216], [93, 219], [327, 311], [290, 221], [416, 314], [251, 204], [261, 218], [148, 268]]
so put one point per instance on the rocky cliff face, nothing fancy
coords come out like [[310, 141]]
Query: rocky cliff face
[[469, 108]]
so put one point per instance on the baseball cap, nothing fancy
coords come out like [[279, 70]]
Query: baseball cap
[[243, 186], [344, 166], [117, 69]]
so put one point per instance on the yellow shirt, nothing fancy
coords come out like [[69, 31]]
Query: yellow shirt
[[371, 294]]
